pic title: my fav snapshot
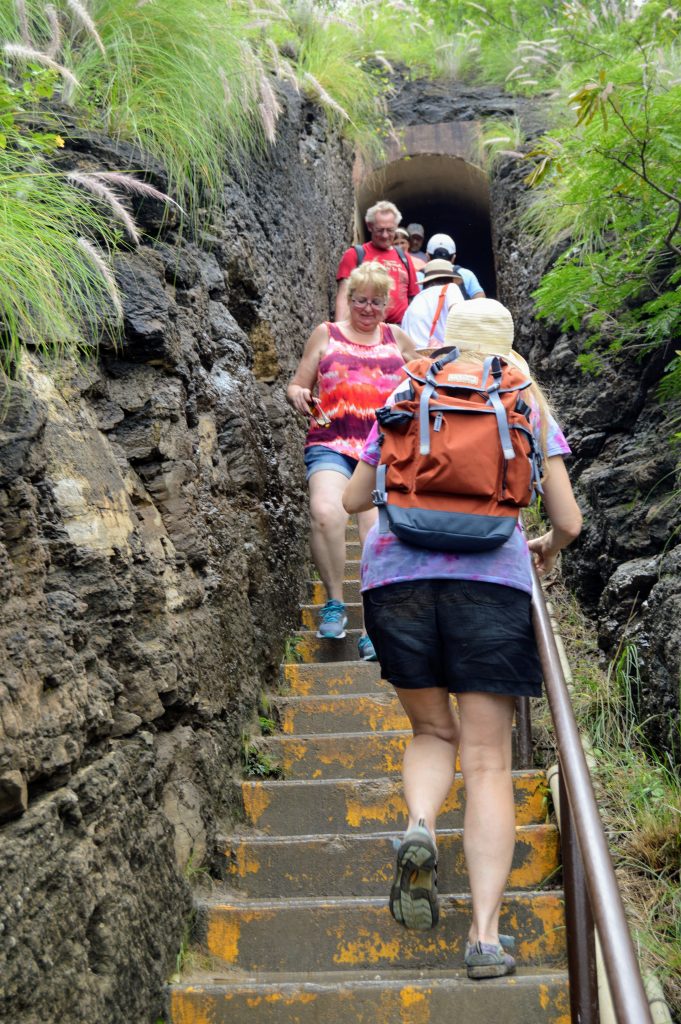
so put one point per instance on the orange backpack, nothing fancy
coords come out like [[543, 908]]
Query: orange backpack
[[459, 457]]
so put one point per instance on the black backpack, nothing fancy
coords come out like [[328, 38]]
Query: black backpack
[[360, 254]]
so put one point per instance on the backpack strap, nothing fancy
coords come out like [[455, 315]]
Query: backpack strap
[[492, 365], [462, 286], [360, 253], [439, 364], [380, 498], [438, 311], [424, 418]]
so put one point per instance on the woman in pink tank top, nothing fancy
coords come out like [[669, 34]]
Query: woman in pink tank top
[[347, 371]]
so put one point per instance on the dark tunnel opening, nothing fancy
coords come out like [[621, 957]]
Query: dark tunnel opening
[[445, 194]]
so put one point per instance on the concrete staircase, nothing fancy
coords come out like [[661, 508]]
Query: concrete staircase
[[299, 929]]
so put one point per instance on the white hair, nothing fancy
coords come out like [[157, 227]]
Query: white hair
[[383, 206]]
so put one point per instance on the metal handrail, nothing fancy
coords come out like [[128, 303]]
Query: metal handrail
[[589, 856]]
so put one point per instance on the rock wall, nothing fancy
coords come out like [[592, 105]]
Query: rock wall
[[153, 543], [626, 472]]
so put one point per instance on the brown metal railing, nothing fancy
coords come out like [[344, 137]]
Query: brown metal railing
[[591, 893]]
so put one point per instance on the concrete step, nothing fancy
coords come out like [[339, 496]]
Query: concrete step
[[303, 680], [316, 593], [332, 934], [307, 807], [311, 648], [351, 755], [371, 712], [338, 755], [309, 616], [364, 865], [532, 996]]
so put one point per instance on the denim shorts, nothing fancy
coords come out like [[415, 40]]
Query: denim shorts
[[318, 456], [464, 635]]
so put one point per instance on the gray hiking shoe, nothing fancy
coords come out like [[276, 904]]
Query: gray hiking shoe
[[413, 898], [332, 621], [486, 960]]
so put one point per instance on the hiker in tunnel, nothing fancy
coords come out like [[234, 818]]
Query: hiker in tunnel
[[382, 220], [426, 316], [401, 239], [417, 237], [443, 247], [449, 611], [353, 366]]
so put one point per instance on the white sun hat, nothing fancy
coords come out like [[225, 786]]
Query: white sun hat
[[484, 326]]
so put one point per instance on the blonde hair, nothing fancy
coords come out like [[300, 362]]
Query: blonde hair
[[383, 206], [370, 275]]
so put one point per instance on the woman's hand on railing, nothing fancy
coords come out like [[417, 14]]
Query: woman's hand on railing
[[545, 551]]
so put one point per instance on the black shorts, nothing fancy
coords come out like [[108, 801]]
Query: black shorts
[[467, 636]]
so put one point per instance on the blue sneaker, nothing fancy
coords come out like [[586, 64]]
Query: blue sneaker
[[366, 649], [332, 621]]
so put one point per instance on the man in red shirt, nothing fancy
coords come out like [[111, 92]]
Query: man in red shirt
[[381, 221]]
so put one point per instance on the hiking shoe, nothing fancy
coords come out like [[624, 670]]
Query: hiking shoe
[[488, 960], [413, 897], [507, 943], [332, 621], [366, 649]]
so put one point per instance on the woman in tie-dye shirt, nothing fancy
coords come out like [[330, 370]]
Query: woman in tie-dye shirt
[[347, 371]]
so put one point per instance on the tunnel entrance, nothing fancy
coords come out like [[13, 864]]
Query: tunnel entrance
[[442, 191]]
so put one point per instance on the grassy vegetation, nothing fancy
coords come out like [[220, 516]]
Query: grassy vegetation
[[193, 85], [180, 80], [638, 791], [292, 655], [257, 763]]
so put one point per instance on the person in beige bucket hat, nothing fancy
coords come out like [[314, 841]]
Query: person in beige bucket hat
[[426, 315], [486, 327], [460, 624]]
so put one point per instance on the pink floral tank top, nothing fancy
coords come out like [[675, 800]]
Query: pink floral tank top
[[352, 382]]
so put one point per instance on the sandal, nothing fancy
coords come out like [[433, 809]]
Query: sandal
[[488, 960], [413, 897]]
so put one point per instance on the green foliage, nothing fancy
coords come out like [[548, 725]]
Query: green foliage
[[257, 763], [292, 655], [268, 726], [638, 791], [499, 139], [179, 79], [53, 295], [619, 211]]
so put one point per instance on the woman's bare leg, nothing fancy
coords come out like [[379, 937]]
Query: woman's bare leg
[[430, 758], [489, 821], [328, 520]]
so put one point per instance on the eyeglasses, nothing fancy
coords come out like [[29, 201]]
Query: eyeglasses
[[361, 301]]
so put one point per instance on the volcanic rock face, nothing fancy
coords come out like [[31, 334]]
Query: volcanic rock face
[[625, 566], [153, 543]]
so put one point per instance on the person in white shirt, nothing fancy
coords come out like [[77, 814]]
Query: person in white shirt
[[426, 314]]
